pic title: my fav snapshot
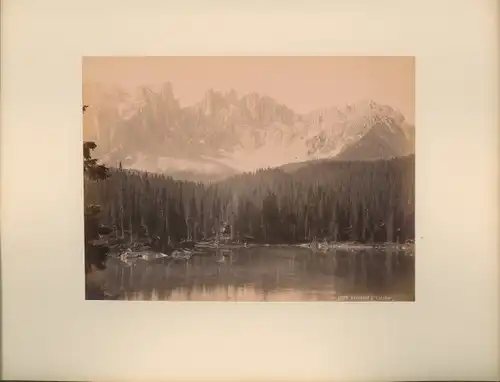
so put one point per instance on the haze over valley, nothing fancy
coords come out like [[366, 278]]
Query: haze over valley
[[226, 133]]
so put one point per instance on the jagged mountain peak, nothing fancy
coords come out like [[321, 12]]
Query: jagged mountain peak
[[240, 132], [364, 108]]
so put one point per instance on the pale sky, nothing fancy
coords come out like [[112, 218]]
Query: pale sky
[[302, 83]]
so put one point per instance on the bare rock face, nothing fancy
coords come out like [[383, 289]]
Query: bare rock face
[[224, 133]]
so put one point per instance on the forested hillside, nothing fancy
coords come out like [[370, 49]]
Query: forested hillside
[[372, 201]]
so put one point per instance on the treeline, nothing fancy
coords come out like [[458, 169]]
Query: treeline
[[340, 201], [95, 253]]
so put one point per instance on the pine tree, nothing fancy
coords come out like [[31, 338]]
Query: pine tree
[[95, 252], [340, 201]]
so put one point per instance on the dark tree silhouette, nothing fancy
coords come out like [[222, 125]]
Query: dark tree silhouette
[[341, 201], [96, 249]]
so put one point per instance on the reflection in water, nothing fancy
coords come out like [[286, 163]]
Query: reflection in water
[[266, 274]]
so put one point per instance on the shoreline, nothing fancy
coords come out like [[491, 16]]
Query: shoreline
[[201, 248]]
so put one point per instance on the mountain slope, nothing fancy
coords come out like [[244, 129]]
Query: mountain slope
[[381, 141], [224, 133]]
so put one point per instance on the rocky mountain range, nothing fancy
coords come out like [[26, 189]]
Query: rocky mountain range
[[226, 133]]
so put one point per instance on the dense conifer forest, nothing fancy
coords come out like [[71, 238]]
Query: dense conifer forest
[[360, 201]]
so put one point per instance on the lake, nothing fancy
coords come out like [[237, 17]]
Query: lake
[[284, 273]]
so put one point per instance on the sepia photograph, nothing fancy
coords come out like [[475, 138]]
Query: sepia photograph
[[255, 198], [249, 178]]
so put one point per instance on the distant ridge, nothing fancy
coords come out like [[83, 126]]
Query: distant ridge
[[224, 134]]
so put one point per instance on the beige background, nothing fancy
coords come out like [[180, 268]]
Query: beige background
[[50, 332], [303, 83]]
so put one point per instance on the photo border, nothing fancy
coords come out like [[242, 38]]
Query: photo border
[[49, 332]]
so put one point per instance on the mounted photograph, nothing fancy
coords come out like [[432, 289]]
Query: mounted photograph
[[249, 178]]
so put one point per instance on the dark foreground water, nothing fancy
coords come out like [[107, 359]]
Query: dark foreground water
[[267, 274]]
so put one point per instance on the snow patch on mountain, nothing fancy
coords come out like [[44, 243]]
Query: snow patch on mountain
[[148, 129]]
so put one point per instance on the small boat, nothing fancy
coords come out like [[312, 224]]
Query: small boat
[[207, 244], [312, 245], [131, 255], [125, 260], [323, 246], [304, 245], [181, 254]]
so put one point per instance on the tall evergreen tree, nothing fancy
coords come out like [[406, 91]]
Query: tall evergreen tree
[[95, 252], [340, 201]]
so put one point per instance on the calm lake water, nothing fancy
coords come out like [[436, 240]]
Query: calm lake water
[[267, 274]]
